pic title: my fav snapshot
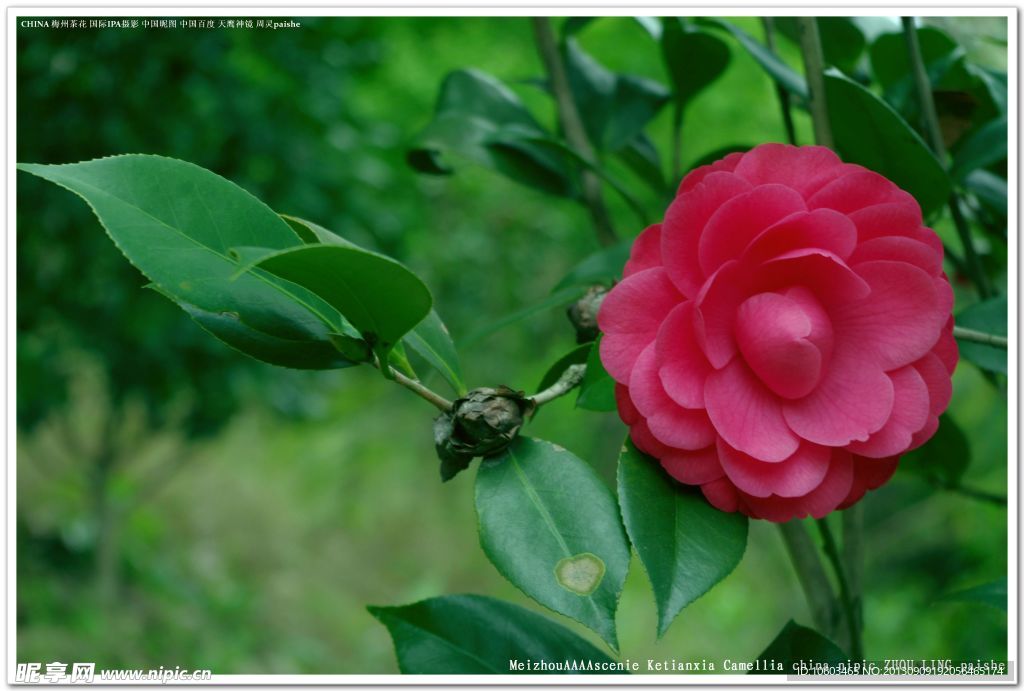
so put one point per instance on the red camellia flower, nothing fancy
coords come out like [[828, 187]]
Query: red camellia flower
[[784, 334]]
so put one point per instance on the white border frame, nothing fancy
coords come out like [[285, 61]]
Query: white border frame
[[421, 8]]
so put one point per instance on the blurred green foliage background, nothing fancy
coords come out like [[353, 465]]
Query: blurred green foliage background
[[181, 505]]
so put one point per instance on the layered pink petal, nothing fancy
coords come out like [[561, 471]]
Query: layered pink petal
[[645, 441], [630, 317], [909, 414], [627, 411], [946, 348], [670, 423], [793, 477], [823, 273], [645, 252], [717, 305], [834, 488], [936, 379], [684, 223], [823, 229], [857, 190], [697, 175], [738, 221], [682, 366], [868, 473], [930, 238], [899, 321], [901, 249], [902, 217], [818, 503], [693, 467], [747, 414], [805, 169], [772, 333], [722, 495], [925, 433], [853, 401]]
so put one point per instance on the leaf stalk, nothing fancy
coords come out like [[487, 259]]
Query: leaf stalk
[[570, 379], [965, 334]]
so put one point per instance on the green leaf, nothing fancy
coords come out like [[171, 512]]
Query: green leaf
[[313, 234], [796, 644], [614, 107], [869, 132], [431, 340], [229, 328], [784, 75], [873, 27], [597, 390], [377, 295], [477, 93], [559, 298], [651, 25], [992, 594], [685, 544], [947, 68], [573, 25], [890, 61], [515, 137], [640, 156], [992, 86], [474, 111], [842, 41], [473, 634], [604, 266], [694, 58], [356, 349], [990, 189], [944, 458], [177, 223], [399, 359], [989, 317], [980, 149], [551, 527]]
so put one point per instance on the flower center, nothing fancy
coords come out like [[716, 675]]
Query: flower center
[[786, 339]]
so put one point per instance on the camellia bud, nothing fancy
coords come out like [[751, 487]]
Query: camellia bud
[[481, 423], [583, 313]]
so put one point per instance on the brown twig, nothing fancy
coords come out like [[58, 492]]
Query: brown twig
[[572, 125]]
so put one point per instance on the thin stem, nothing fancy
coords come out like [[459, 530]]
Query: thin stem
[[570, 379], [435, 399], [853, 555], [832, 552], [572, 125], [924, 89], [965, 334], [785, 105], [812, 576], [934, 132], [814, 71]]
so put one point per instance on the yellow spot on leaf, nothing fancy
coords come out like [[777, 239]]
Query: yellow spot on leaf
[[580, 574]]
